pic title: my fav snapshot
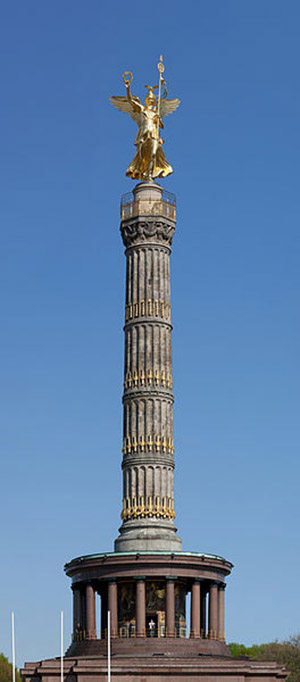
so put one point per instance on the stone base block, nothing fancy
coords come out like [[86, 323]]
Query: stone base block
[[155, 668]]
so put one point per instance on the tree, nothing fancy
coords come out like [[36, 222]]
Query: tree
[[287, 653], [6, 670]]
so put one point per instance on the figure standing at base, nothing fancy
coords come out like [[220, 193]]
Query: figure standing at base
[[149, 161]]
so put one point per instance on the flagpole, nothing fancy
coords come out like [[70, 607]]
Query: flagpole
[[61, 646], [108, 646], [13, 647]]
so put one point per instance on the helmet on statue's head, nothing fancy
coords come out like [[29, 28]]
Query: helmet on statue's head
[[150, 99]]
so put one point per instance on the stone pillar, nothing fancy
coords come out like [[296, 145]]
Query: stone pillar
[[221, 617], [147, 229], [195, 610], [104, 608], [77, 627], [170, 607], [213, 611], [113, 607], [140, 606], [83, 612], [203, 613], [90, 612]]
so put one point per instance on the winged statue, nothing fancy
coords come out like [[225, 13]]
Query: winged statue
[[149, 161]]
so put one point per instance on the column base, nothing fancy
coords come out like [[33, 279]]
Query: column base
[[146, 535]]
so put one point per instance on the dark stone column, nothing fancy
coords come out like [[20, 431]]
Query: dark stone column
[[203, 613], [147, 229], [83, 612], [104, 609], [195, 610], [170, 607], [90, 612], [76, 612], [221, 616], [213, 611], [113, 607], [140, 607]]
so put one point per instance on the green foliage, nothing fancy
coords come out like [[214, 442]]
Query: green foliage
[[286, 653], [6, 670]]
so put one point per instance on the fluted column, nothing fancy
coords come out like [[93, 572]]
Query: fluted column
[[221, 617], [170, 607], [113, 607], [147, 229], [90, 612], [195, 610], [140, 607], [213, 611]]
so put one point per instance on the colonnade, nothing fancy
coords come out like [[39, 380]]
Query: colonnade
[[207, 611]]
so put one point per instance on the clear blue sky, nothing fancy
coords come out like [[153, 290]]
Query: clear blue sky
[[235, 146]]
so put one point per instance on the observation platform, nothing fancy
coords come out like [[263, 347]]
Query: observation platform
[[148, 199]]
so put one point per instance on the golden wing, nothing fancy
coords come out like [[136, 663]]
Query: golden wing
[[167, 106], [123, 104]]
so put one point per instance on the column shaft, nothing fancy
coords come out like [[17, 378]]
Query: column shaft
[[213, 611], [104, 609], [76, 612], [221, 618], [148, 444], [90, 613], [113, 607], [83, 612], [140, 608], [195, 610], [170, 608], [203, 614]]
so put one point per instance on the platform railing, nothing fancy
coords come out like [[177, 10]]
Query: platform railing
[[166, 206], [126, 631]]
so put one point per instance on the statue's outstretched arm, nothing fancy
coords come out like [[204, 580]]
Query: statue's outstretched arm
[[133, 101]]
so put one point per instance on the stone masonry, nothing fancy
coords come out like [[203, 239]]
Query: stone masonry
[[147, 228]]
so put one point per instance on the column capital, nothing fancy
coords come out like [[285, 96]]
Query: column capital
[[139, 578], [171, 578], [222, 586]]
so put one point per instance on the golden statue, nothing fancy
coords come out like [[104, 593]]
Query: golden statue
[[149, 161]]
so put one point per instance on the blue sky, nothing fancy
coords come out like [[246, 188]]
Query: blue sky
[[234, 144]]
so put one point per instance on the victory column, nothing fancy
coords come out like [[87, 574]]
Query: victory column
[[143, 584], [147, 228]]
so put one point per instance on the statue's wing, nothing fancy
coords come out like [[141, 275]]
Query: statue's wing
[[167, 106], [123, 104]]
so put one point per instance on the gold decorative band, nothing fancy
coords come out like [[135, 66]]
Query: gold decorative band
[[148, 308], [157, 444], [151, 378], [161, 508]]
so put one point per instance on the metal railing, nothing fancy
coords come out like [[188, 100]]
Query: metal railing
[[128, 631], [166, 206]]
